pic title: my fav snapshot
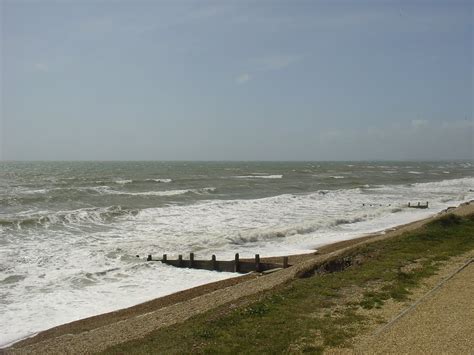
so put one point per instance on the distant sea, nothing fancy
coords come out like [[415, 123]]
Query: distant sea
[[70, 231]]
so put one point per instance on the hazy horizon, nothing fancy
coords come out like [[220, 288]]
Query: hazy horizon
[[236, 81], [237, 161]]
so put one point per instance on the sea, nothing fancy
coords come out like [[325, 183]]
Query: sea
[[74, 236]]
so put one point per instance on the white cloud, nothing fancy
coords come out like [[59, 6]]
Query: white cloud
[[276, 62], [243, 78], [268, 63]]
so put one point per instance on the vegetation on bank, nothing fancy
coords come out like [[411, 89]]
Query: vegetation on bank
[[319, 310]]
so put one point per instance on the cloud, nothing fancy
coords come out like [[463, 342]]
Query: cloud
[[266, 64], [275, 62], [243, 78]]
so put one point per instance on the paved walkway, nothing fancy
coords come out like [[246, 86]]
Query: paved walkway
[[443, 323]]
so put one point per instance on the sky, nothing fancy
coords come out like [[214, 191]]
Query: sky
[[236, 80]]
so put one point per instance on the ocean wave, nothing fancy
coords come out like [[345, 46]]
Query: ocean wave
[[123, 182], [135, 181], [338, 177], [171, 192], [298, 229], [84, 215], [160, 180], [258, 177], [36, 191], [106, 190]]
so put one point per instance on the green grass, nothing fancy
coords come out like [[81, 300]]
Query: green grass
[[302, 316]]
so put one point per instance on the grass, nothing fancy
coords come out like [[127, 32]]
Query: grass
[[313, 313]]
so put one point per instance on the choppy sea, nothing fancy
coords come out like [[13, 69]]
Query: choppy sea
[[70, 232]]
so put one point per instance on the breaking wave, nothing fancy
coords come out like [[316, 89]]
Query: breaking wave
[[106, 190], [123, 182], [130, 181], [297, 229], [160, 180], [80, 216], [258, 177]]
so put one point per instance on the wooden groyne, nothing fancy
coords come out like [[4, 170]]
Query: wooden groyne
[[237, 265], [418, 205]]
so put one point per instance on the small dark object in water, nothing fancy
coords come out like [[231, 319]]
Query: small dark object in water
[[419, 205]]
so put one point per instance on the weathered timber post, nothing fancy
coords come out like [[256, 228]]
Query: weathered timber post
[[191, 260], [285, 262], [164, 259], [236, 263], [180, 260], [418, 204], [214, 262], [426, 204], [408, 204], [148, 258], [257, 263]]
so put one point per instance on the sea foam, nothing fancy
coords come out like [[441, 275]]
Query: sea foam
[[53, 275]]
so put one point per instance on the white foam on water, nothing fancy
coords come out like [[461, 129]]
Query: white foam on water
[[160, 180], [51, 276], [123, 182], [106, 190], [258, 176], [36, 191], [70, 293]]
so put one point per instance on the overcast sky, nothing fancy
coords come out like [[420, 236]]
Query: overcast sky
[[236, 80]]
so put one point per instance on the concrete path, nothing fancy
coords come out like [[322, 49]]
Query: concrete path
[[442, 323]]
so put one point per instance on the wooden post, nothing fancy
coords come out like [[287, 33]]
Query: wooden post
[[257, 262], [148, 258], [408, 204], [214, 262], [191, 260], [236, 263], [164, 259], [418, 204], [180, 260], [285, 262]]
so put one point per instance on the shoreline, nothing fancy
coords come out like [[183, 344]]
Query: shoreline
[[251, 284]]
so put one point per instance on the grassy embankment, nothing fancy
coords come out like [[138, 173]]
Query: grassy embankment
[[318, 312]]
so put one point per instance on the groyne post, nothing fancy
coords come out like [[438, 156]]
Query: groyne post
[[164, 258], [214, 262], [285, 262], [180, 260], [236, 263], [257, 262], [148, 258], [191, 260]]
